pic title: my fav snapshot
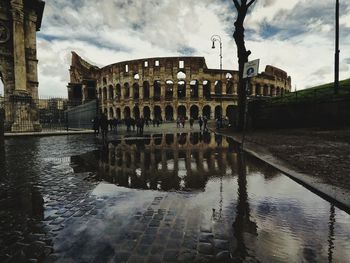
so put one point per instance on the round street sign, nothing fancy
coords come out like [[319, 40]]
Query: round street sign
[[250, 71]]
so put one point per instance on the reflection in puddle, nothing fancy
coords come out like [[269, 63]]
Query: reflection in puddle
[[271, 218]]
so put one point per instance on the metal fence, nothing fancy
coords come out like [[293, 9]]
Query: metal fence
[[24, 114], [80, 117]]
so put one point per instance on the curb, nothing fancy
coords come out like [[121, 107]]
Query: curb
[[335, 194], [49, 133]]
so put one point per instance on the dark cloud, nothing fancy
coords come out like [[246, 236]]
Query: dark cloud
[[186, 51]]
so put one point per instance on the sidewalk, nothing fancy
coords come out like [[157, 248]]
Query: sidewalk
[[318, 158]]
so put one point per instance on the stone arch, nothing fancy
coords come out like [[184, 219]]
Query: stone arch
[[118, 114], [169, 90], [218, 87], [181, 111], [118, 91], [100, 93], [181, 90], [258, 90], [206, 89], [127, 113], [104, 93], [194, 112], [206, 111], [265, 90], [229, 87], [111, 113], [231, 113], [157, 112], [126, 90], [136, 112], [278, 90], [169, 113], [104, 80], [272, 90], [169, 139], [105, 111], [218, 111], [146, 90], [156, 90], [136, 89], [110, 92], [282, 91], [146, 112], [194, 89]]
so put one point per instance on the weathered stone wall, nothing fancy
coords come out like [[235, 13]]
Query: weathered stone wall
[[329, 113], [19, 21], [169, 87]]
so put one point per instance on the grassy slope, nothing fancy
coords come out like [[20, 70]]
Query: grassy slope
[[318, 93]]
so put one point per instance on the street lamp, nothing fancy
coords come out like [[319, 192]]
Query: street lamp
[[215, 38], [336, 56]]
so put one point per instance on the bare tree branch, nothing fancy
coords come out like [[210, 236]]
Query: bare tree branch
[[236, 4], [250, 3]]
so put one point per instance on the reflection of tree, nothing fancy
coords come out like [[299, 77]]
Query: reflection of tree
[[242, 224], [331, 233]]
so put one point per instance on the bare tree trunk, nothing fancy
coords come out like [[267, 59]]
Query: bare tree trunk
[[242, 54]]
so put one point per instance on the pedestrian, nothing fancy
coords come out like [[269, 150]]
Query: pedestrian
[[115, 125], [158, 122], [178, 122], [191, 122], [200, 122], [183, 122], [132, 123], [154, 122], [96, 125], [205, 122], [142, 124]]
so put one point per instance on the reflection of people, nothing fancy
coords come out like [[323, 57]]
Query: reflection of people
[[104, 126], [96, 125], [191, 122]]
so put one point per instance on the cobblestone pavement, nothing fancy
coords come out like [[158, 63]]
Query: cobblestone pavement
[[54, 210], [324, 153]]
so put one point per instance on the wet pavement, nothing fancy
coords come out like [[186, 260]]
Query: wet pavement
[[163, 197]]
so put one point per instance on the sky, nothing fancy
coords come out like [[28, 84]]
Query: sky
[[295, 35]]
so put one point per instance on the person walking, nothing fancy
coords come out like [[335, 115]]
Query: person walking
[[200, 122], [96, 125], [205, 122], [191, 122]]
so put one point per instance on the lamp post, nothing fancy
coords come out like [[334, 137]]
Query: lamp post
[[336, 57], [215, 38]]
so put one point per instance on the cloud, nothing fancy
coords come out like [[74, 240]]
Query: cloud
[[295, 35]]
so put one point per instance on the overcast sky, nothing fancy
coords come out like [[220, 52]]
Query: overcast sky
[[295, 35]]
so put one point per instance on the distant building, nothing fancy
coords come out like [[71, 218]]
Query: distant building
[[166, 87]]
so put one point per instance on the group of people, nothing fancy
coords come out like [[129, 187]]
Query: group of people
[[130, 123], [202, 122]]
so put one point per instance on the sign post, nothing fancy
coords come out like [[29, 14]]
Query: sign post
[[251, 69]]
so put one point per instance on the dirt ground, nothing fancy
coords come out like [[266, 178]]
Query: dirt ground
[[323, 153]]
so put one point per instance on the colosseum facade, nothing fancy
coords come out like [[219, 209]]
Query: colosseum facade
[[167, 87]]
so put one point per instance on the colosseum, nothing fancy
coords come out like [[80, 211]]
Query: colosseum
[[167, 87]]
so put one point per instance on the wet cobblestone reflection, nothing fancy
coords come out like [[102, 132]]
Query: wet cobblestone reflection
[[185, 197]]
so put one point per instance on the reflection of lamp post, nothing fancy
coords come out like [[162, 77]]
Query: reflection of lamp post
[[213, 39]]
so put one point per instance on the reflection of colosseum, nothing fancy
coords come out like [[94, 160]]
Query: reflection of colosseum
[[166, 87], [165, 161]]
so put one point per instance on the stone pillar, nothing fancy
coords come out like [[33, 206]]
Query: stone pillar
[[235, 88], [18, 46], [200, 91], [253, 89]]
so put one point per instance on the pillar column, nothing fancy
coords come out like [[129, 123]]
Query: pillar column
[[18, 45]]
